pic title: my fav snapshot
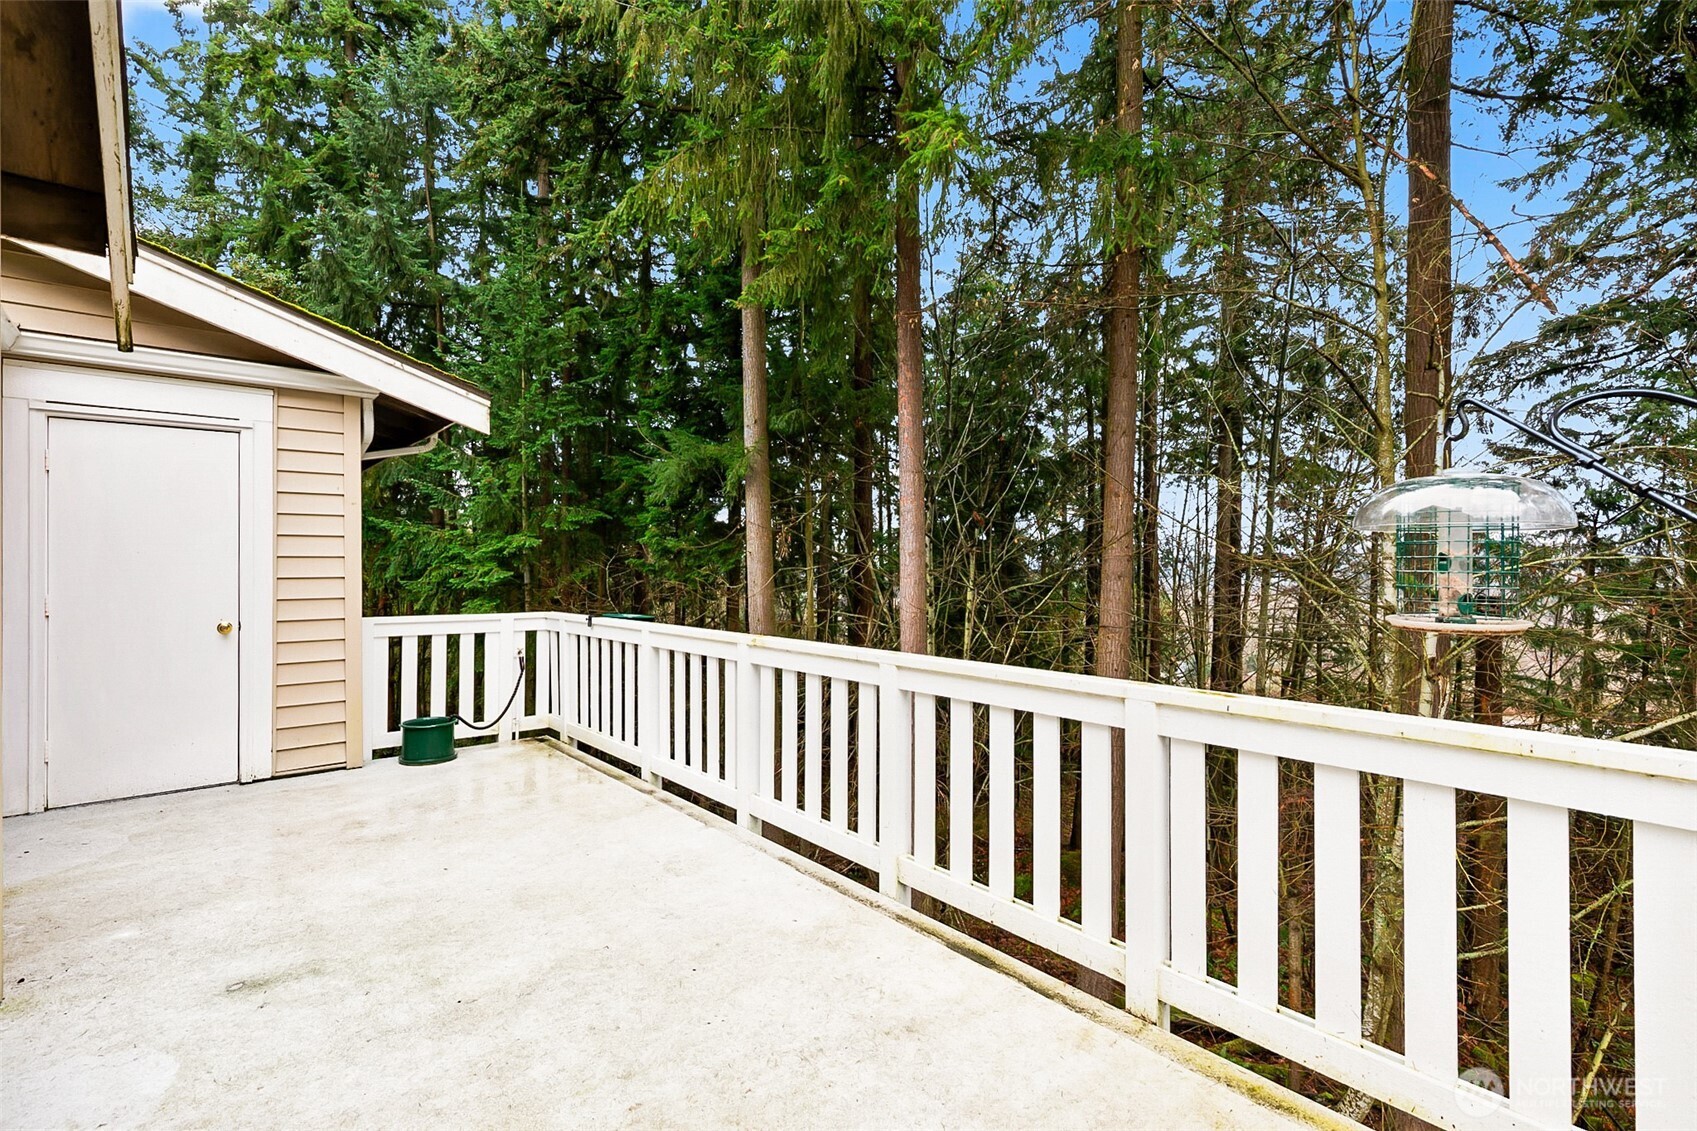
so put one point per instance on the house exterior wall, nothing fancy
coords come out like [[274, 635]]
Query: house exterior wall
[[316, 713], [50, 298], [318, 723]]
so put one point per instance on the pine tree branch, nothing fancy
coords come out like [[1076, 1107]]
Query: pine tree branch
[[1490, 237]]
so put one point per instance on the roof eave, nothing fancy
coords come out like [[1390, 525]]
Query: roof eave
[[249, 313]]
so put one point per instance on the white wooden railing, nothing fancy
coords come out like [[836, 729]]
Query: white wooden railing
[[876, 757]]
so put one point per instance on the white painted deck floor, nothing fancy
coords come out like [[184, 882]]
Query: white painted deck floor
[[516, 939]]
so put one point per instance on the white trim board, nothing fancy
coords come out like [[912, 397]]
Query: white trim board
[[31, 392], [228, 304], [35, 345]]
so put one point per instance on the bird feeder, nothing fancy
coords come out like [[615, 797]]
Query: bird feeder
[[1459, 542]]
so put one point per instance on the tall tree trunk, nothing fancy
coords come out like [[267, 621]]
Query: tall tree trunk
[[827, 565], [809, 563], [910, 395], [1431, 304], [862, 583], [1120, 339], [1382, 1004], [1116, 605], [1225, 641], [757, 483], [429, 161], [1149, 514]]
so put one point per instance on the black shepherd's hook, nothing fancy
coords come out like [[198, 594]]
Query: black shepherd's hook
[[1578, 452]]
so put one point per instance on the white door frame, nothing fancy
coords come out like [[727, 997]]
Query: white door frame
[[31, 393]]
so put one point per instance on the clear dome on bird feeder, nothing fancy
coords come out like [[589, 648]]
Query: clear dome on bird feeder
[[1459, 543]]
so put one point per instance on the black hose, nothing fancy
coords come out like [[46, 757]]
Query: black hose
[[518, 685]]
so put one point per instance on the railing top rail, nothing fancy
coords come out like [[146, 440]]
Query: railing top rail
[[1644, 760], [448, 623]]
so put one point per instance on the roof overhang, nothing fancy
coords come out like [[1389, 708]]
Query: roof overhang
[[64, 148], [420, 391]]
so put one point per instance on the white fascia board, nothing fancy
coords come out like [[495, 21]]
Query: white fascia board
[[228, 305]]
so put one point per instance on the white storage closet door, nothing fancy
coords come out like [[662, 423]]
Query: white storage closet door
[[143, 568]]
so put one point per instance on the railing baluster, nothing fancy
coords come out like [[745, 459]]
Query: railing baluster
[[765, 741], [545, 712], [1429, 941], [715, 701], [1189, 856], [925, 780], [1337, 901], [409, 677], [1540, 986], [815, 787], [789, 722], [1258, 877], [680, 751], [651, 703], [866, 762], [698, 711], [1046, 815], [571, 677], [597, 689], [612, 691], [438, 675], [464, 705], [1664, 909], [839, 753], [1001, 802], [1096, 800], [623, 666], [508, 731], [961, 753]]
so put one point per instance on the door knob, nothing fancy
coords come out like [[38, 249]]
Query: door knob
[[224, 627]]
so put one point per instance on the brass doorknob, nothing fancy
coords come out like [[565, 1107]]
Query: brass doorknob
[[224, 628]]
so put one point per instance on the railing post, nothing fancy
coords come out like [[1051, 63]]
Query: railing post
[[895, 782], [374, 677], [570, 684], [745, 752], [1664, 909], [1148, 892], [648, 708]]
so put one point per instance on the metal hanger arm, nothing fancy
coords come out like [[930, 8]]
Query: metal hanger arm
[[1583, 455]]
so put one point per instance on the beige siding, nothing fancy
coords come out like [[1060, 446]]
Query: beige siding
[[45, 296], [318, 582]]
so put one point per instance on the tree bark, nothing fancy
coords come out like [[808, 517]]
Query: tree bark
[[1120, 339], [1149, 547], [1225, 641], [910, 396], [1431, 305], [757, 480], [861, 578], [1116, 605]]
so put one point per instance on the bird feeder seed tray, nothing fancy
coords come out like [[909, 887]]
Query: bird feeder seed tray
[[1459, 542]]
